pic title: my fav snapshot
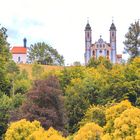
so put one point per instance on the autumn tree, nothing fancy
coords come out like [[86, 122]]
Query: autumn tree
[[44, 103], [45, 54], [89, 131], [26, 130], [132, 42], [22, 129]]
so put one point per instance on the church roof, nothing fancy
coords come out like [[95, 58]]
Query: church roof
[[112, 27], [88, 27], [18, 50]]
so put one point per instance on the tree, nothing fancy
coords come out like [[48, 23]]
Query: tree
[[89, 131], [100, 61], [12, 71], [44, 103], [4, 59], [45, 54], [127, 125], [22, 129], [26, 130], [132, 42], [113, 112], [94, 114], [6, 105]]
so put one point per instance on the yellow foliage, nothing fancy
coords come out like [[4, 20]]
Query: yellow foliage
[[113, 112], [37, 135], [106, 137], [128, 124], [90, 131], [25, 130], [52, 134], [21, 129]]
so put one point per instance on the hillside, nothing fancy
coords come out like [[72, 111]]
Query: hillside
[[47, 68]]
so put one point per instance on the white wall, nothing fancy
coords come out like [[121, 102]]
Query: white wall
[[23, 58]]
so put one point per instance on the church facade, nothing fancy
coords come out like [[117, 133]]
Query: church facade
[[101, 47]]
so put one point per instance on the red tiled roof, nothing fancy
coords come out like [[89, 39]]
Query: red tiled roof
[[19, 50]]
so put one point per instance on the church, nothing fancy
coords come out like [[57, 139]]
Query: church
[[101, 47]]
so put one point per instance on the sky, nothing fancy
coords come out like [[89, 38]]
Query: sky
[[61, 23]]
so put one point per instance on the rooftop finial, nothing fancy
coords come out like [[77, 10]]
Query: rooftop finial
[[87, 19], [100, 36], [112, 19]]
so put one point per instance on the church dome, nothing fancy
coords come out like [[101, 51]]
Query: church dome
[[87, 27], [100, 40], [112, 27]]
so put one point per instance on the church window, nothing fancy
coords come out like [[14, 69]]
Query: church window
[[19, 59], [107, 52], [97, 45], [88, 35], [93, 52], [112, 34], [100, 45], [100, 51], [104, 45]]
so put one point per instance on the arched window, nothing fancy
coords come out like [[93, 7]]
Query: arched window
[[19, 59], [88, 35], [93, 53], [112, 34], [108, 53], [100, 51]]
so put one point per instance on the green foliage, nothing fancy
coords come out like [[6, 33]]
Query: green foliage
[[100, 61], [6, 105], [45, 54], [94, 114], [132, 42], [76, 103], [70, 73], [4, 59]]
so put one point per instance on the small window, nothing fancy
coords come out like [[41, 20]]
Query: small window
[[107, 52], [104, 45], [112, 34], [97, 45], [100, 51], [93, 52], [88, 35], [19, 59]]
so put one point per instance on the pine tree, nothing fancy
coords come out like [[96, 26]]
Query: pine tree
[[132, 42]]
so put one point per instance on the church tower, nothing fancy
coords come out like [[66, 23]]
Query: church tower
[[88, 42], [113, 43]]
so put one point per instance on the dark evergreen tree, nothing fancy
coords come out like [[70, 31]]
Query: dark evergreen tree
[[132, 42]]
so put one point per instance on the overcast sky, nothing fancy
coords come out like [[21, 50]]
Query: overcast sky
[[61, 23]]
